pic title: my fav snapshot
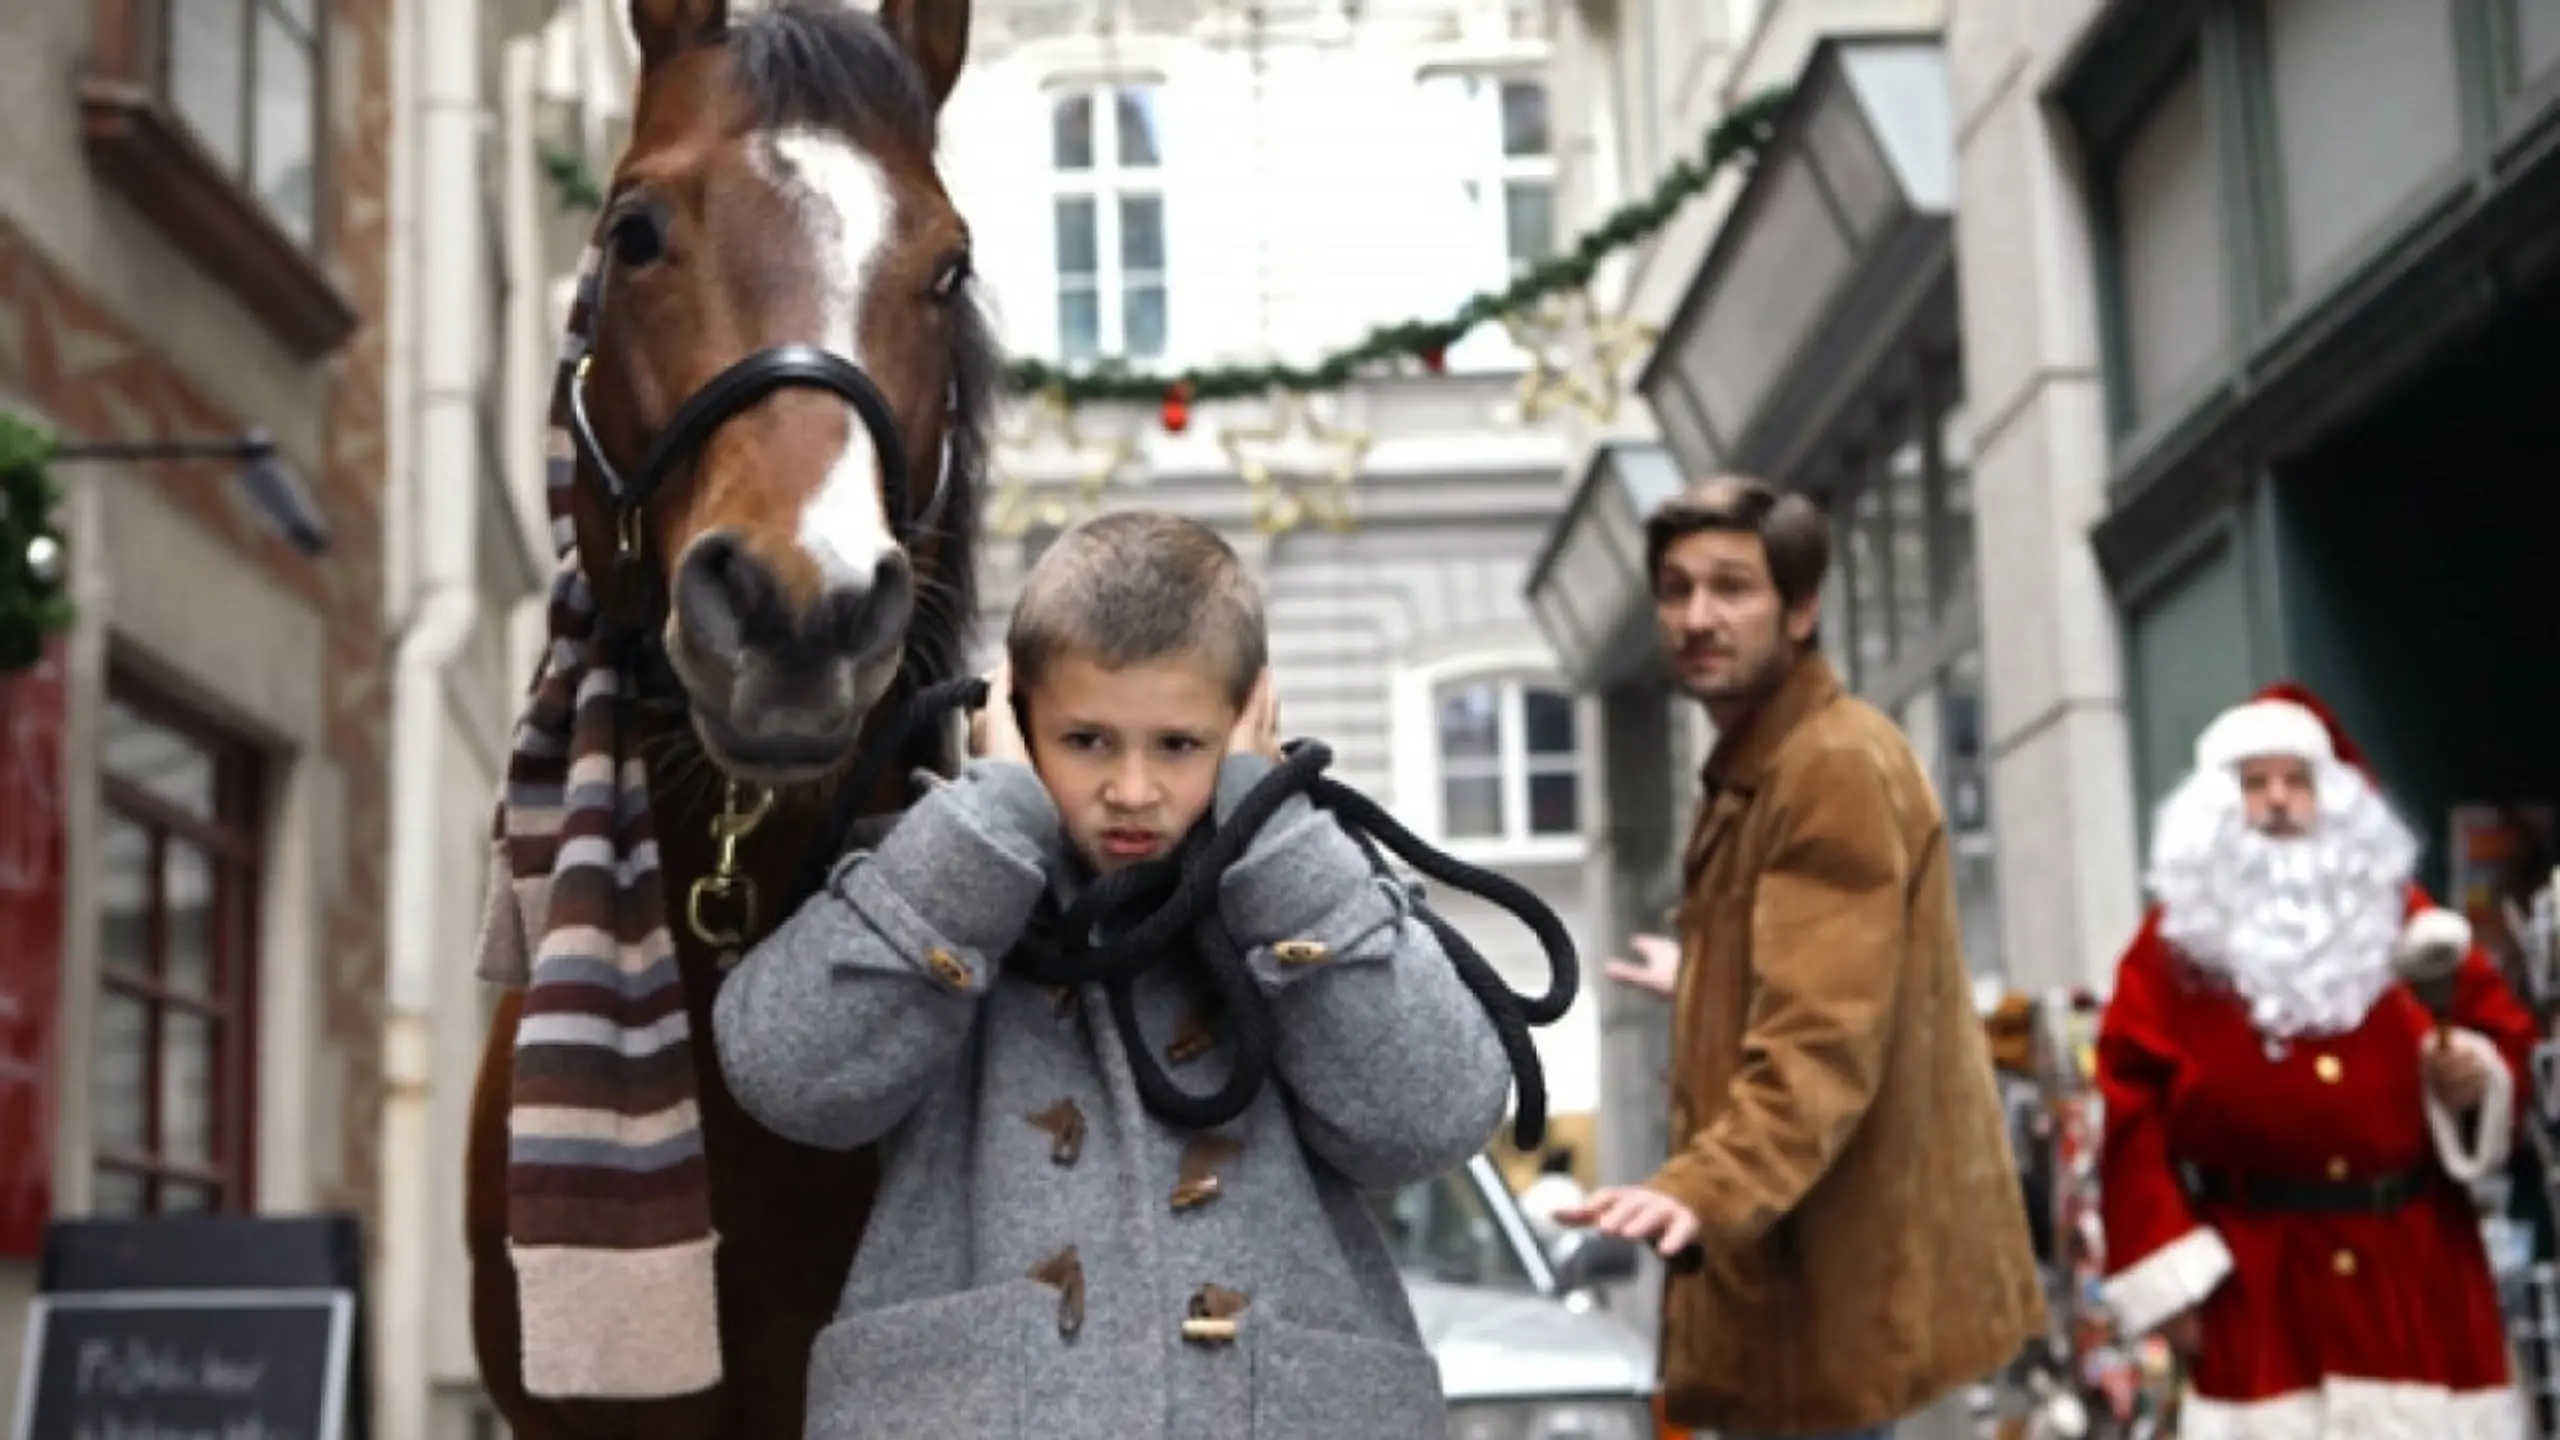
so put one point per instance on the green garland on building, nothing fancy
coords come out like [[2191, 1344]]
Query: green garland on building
[[571, 180], [34, 558], [1738, 137]]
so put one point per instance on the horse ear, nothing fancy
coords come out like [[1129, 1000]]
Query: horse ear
[[667, 28], [936, 36]]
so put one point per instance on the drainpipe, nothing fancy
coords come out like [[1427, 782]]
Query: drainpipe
[[431, 910], [529, 337]]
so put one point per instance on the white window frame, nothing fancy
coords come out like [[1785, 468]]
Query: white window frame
[[1486, 166], [1414, 725], [1105, 183], [1509, 170], [1491, 173]]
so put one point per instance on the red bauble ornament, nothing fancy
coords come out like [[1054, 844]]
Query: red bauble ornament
[[1177, 408], [1435, 358]]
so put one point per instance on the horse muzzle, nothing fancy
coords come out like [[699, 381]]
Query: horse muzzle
[[780, 691]]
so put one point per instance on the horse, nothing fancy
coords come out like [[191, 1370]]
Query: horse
[[782, 320]]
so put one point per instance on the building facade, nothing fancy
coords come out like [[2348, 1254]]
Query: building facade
[[2314, 319], [193, 245]]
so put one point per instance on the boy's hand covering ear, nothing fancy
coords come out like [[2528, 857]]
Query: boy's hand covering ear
[[993, 732], [1257, 730]]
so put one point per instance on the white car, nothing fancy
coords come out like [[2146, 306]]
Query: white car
[[1524, 1354]]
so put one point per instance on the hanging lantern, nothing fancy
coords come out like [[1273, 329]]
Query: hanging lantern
[[44, 561], [1177, 407], [1435, 359]]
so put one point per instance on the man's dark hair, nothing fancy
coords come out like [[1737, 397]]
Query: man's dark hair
[[1792, 530]]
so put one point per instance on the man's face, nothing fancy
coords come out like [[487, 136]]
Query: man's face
[[1727, 634], [2278, 794]]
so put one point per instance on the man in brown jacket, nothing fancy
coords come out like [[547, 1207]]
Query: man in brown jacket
[[1842, 1213]]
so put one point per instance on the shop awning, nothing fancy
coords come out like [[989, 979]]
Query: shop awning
[[1838, 237], [1587, 587]]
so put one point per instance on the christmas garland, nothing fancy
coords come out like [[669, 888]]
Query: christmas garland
[[33, 603], [1739, 136]]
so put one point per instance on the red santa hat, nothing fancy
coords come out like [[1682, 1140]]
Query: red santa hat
[[2285, 718]]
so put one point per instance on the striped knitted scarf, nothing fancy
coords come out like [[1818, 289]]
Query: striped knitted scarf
[[608, 1199]]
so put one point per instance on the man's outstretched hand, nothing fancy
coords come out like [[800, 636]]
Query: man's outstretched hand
[[1632, 1212], [1656, 968]]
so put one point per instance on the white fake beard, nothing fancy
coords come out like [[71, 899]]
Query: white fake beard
[[2300, 926]]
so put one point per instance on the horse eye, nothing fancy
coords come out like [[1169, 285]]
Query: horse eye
[[639, 237], [953, 274]]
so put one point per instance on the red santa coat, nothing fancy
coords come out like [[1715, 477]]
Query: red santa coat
[[2376, 1325]]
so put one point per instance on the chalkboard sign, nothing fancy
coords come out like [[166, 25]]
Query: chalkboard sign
[[197, 1327], [187, 1365]]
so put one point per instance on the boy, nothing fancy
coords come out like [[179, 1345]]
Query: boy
[[1046, 1256]]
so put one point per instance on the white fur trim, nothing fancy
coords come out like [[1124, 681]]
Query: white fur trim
[[2496, 1137], [2175, 1277], [2351, 1409], [2437, 929], [2262, 728]]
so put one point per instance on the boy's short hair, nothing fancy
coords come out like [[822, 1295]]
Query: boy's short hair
[[1136, 586], [1793, 533]]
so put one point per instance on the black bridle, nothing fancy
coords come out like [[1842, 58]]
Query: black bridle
[[726, 396], [630, 626]]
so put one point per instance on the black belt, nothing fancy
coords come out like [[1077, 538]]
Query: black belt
[[2371, 1195]]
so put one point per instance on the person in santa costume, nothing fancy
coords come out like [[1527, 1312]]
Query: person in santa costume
[[2289, 1129]]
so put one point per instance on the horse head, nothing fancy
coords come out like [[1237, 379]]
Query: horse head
[[786, 376]]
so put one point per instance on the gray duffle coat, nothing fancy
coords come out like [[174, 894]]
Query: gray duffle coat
[[1047, 1258]]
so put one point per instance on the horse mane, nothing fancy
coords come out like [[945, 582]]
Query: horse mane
[[823, 64], [947, 597]]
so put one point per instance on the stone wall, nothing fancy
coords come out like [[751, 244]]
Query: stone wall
[[2060, 784]]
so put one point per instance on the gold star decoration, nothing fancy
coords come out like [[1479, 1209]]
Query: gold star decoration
[[1267, 458], [1022, 504], [1577, 356]]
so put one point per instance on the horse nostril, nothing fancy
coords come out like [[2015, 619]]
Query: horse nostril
[[726, 597], [863, 622], [892, 581]]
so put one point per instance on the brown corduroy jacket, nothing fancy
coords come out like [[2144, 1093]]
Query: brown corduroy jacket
[[1834, 1121]]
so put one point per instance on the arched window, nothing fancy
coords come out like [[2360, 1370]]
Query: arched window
[[1489, 763], [1488, 756], [1510, 762]]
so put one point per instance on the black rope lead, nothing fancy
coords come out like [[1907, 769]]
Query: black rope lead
[[1126, 923]]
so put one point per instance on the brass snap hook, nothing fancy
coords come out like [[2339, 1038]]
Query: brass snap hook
[[739, 892], [742, 809]]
